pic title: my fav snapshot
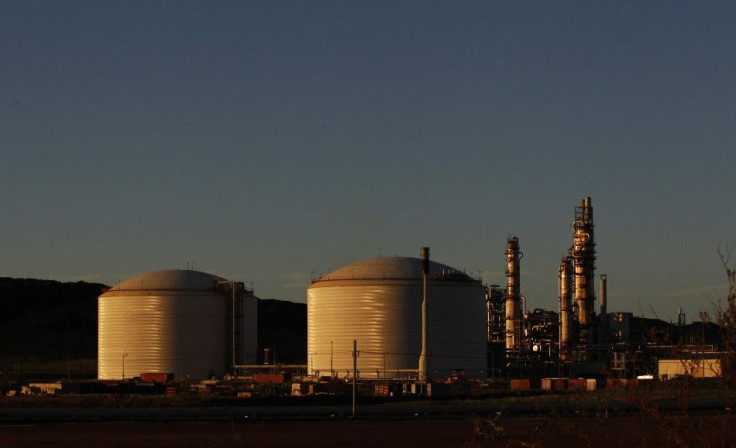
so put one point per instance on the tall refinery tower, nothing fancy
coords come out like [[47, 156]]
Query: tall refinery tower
[[514, 315], [582, 253]]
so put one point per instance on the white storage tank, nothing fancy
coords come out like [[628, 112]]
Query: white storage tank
[[378, 302], [175, 321]]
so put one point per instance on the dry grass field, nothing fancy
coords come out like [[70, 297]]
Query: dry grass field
[[629, 419]]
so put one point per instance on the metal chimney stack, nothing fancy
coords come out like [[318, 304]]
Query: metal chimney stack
[[513, 296], [583, 260], [565, 285], [603, 290], [423, 363], [604, 328]]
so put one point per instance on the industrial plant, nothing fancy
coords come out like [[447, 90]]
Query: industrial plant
[[394, 325], [575, 340], [390, 319]]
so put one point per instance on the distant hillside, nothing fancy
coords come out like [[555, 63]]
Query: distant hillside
[[48, 319], [52, 320], [283, 326], [644, 330]]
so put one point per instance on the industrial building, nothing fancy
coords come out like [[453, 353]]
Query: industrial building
[[184, 322], [379, 303]]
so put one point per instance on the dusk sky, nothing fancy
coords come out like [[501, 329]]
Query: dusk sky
[[271, 141]]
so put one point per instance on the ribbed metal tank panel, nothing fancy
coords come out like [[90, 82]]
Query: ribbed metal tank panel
[[180, 332], [383, 319], [457, 329], [383, 313]]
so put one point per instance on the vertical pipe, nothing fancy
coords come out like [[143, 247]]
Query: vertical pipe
[[604, 330], [512, 294], [604, 298], [234, 361], [423, 364]]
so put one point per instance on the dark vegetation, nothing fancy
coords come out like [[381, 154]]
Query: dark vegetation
[[283, 326], [655, 331], [53, 321], [726, 314], [46, 320]]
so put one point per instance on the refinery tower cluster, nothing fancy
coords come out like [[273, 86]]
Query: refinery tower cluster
[[576, 333]]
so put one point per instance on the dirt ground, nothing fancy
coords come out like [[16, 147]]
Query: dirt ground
[[465, 432]]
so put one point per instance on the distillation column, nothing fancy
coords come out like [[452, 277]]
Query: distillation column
[[513, 296], [583, 260], [565, 305]]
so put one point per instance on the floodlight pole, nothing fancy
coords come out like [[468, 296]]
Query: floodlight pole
[[355, 371]]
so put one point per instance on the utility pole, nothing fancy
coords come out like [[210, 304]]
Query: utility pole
[[124, 356], [355, 371]]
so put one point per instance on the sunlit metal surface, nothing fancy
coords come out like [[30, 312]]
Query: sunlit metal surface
[[565, 305], [169, 321], [583, 258], [513, 295], [378, 302]]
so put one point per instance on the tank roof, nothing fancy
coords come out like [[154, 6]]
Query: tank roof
[[174, 279], [392, 268]]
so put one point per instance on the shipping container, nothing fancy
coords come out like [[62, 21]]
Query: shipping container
[[275, 378], [591, 385], [299, 389], [559, 384], [576, 384], [381, 390], [157, 377]]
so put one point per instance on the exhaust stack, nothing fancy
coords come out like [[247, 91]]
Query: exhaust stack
[[603, 290], [604, 329], [423, 364]]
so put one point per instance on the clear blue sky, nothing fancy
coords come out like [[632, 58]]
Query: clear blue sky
[[267, 141]]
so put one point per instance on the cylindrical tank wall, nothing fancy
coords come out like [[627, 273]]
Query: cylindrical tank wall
[[384, 316], [183, 334], [175, 321]]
